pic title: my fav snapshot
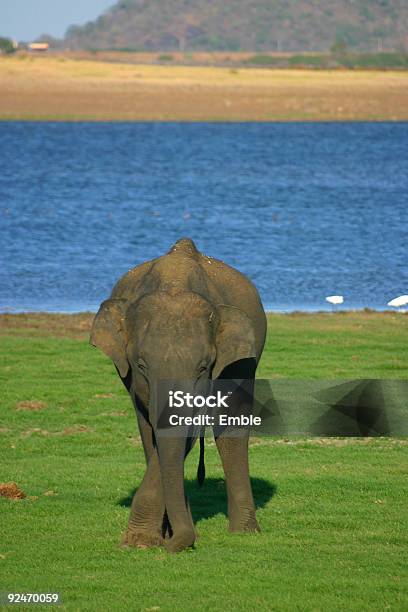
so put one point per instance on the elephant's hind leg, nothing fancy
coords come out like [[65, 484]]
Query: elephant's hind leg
[[234, 456]]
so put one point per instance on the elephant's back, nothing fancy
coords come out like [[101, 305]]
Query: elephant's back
[[129, 285], [236, 290]]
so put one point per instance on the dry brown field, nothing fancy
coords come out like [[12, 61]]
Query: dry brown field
[[64, 87]]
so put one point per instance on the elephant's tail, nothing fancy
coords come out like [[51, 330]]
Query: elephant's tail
[[201, 463]]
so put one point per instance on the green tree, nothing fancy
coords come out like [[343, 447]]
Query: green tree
[[6, 45]]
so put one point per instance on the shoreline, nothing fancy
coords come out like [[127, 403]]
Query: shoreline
[[212, 121], [293, 312], [268, 311]]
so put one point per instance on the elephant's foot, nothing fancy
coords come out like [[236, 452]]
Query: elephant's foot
[[141, 539], [180, 541], [249, 525]]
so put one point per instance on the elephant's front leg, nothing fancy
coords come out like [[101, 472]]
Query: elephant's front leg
[[145, 528], [234, 456]]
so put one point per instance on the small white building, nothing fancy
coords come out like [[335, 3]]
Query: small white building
[[39, 46]]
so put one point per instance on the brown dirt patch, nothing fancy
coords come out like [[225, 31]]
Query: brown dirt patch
[[77, 326], [104, 396], [35, 430], [75, 429], [68, 431], [33, 405], [11, 491]]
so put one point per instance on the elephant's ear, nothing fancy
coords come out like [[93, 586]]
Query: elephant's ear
[[235, 338], [108, 333]]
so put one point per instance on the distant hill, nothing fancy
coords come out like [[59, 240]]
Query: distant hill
[[253, 25]]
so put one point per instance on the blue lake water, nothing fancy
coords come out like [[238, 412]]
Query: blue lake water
[[305, 210]]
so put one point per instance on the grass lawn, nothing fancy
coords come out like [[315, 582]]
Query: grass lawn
[[333, 513]]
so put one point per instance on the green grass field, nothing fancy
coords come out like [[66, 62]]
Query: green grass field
[[333, 513]]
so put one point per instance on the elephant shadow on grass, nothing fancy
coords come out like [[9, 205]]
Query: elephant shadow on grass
[[211, 499]]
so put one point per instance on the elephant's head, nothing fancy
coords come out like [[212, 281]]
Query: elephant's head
[[172, 336]]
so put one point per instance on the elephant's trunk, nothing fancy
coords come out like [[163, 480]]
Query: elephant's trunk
[[172, 447], [171, 457]]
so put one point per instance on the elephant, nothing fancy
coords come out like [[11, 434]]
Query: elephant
[[182, 316]]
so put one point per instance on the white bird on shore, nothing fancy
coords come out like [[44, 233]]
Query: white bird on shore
[[397, 302], [335, 299]]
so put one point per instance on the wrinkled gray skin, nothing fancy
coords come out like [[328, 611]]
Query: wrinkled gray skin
[[182, 316]]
